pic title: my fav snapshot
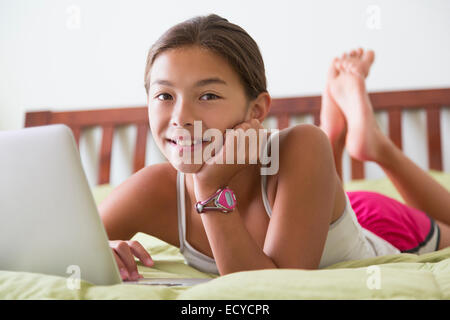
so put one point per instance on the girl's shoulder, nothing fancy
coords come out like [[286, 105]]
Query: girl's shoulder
[[159, 183], [304, 150], [295, 150], [301, 142], [145, 202], [160, 178]]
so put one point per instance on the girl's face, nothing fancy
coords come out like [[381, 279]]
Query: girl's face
[[188, 84]]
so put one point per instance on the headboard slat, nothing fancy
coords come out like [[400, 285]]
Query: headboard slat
[[105, 154], [434, 137], [282, 121], [316, 117], [38, 118], [395, 126], [357, 169], [141, 144], [76, 133]]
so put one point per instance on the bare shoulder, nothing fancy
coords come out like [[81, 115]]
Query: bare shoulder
[[157, 178], [306, 154], [304, 139], [145, 202], [301, 144], [298, 145]]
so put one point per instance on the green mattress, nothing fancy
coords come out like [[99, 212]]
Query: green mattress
[[401, 276]]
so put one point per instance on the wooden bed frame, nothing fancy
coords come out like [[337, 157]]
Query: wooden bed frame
[[393, 102]]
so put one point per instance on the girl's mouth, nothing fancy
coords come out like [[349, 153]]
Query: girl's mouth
[[190, 147]]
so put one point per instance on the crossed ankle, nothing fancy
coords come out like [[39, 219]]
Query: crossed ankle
[[385, 151]]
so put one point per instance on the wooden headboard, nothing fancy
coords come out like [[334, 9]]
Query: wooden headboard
[[393, 102]]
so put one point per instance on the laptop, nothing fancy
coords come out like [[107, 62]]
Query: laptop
[[49, 222]]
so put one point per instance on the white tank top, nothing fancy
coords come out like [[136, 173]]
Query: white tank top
[[346, 239]]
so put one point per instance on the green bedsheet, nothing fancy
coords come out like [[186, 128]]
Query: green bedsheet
[[401, 276]]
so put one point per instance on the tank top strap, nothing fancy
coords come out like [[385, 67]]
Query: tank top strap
[[264, 178], [181, 209], [264, 195]]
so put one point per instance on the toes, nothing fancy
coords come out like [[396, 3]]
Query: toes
[[367, 59], [341, 65], [346, 64], [353, 69], [357, 61], [359, 52], [351, 66], [368, 56], [333, 71], [356, 71], [337, 64]]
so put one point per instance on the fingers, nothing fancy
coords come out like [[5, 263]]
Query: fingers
[[125, 260], [242, 141], [122, 269], [139, 251], [252, 123], [124, 252], [235, 143], [252, 155]]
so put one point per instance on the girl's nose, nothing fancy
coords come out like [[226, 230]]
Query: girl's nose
[[182, 115]]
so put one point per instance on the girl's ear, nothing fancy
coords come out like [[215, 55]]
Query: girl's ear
[[259, 108]]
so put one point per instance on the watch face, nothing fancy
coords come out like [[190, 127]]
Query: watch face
[[229, 198], [226, 199]]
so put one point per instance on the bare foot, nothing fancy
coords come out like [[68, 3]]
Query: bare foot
[[352, 62], [332, 120], [364, 139]]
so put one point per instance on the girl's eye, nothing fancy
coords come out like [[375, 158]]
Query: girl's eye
[[210, 95], [164, 95]]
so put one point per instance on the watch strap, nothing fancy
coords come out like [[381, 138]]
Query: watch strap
[[224, 200]]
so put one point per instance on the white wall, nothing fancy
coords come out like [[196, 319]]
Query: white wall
[[80, 54]]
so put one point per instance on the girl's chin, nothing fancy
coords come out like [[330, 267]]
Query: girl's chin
[[187, 168]]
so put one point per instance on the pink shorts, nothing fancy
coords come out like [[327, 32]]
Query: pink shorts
[[406, 228]]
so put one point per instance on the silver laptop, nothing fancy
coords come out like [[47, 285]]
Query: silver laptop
[[49, 221]]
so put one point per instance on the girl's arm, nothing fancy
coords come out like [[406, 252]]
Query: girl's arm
[[135, 206], [233, 247], [139, 204], [307, 189], [300, 217]]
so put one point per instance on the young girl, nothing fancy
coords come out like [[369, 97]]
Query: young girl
[[210, 70]]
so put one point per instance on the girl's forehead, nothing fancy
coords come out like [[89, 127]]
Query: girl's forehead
[[191, 52], [193, 62]]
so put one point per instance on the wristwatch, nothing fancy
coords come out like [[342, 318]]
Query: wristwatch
[[224, 200]]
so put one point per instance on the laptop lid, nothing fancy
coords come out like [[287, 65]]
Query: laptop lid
[[49, 222]]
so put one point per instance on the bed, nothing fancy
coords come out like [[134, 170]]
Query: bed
[[401, 276]]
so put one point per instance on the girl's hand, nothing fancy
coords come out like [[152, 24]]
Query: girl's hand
[[123, 253], [213, 175]]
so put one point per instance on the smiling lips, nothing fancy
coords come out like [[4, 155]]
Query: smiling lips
[[187, 144]]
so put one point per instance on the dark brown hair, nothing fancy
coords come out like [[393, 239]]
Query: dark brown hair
[[222, 37]]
